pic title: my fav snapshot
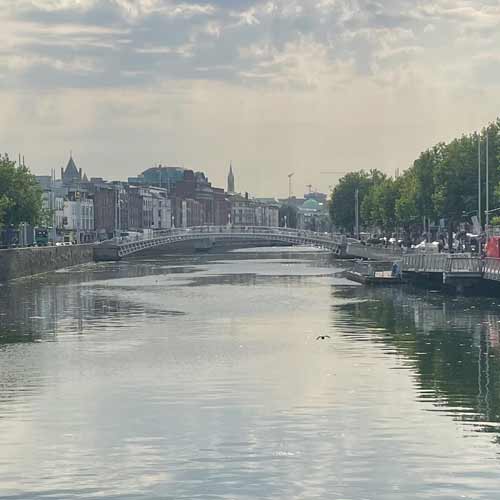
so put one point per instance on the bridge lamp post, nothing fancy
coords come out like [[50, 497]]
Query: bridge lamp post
[[229, 218]]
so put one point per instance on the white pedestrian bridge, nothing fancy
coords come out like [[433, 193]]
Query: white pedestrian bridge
[[118, 248]]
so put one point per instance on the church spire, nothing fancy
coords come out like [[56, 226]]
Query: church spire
[[230, 179]]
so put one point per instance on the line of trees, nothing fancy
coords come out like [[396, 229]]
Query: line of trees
[[20, 195], [442, 183]]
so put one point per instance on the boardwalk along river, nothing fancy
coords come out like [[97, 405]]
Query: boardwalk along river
[[201, 377]]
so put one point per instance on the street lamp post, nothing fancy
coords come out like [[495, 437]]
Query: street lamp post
[[78, 217], [116, 215], [120, 227], [356, 211], [285, 222], [479, 178], [487, 182]]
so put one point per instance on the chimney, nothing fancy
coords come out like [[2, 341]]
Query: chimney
[[80, 172], [62, 172], [246, 196]]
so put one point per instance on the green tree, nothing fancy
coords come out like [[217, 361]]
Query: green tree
[[442, 183], [379, 204], [424, 168], [406, 206], [493, 132], [20, 195], [4, 204], [455, 178], [342, 204]]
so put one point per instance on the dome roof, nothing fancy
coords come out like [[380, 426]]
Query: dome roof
[[311, 204]]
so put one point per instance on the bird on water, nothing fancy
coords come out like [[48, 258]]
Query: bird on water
[[322, 337]]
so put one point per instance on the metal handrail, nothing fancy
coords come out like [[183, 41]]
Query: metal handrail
[[162, 237], [233, 229], [442, 263]]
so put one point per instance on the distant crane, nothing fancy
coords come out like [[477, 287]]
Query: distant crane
[[335, 172], [290, 184]]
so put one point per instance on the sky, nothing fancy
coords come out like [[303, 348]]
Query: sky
[[278, 86]]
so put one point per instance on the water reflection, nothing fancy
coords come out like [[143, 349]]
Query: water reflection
[[201, 377], [30, 313], [452, 344], [84, 298]]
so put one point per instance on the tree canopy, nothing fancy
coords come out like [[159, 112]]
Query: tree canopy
[[20, 194], [442, 183], [342, 205]]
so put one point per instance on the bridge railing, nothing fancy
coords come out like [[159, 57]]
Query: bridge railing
[[442, 263], [463, 263], [491, 269], [233, 229]]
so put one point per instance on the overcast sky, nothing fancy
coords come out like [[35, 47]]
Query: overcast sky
[[277, 86]]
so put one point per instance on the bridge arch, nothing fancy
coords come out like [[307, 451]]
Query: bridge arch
[[117, 249]]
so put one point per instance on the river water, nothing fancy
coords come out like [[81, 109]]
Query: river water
[[186, 377]]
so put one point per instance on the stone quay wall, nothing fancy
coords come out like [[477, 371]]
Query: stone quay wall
[[20, 262]]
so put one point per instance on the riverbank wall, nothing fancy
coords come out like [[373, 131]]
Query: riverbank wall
[[21, 262]]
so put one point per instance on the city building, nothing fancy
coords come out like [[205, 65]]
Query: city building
[[78, 220], [185, 184], [242, 210], [161, 208], [267, 212], [192, 213], [319, 197], [222, 207], [313, 213], [110, 208], [254, 212], [69, 201], [135, 207], [71, 175], [160, 176], [159, 198], [53, 202]]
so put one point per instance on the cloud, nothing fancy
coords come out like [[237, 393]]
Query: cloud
[[311, 54], [152, 39]]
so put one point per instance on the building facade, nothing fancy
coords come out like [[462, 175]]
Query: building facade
[[78, 220], [243, 210], [110, 209], [161, 208]]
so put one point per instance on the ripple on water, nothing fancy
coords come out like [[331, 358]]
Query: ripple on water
[[202, 378]]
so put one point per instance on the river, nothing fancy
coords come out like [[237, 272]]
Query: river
[[185, 377]]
